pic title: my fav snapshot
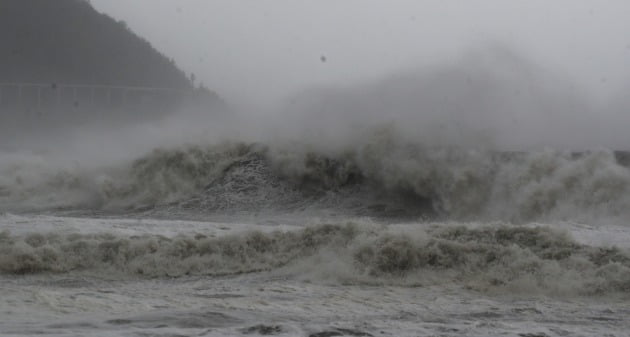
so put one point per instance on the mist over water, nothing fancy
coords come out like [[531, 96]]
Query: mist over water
[[300, 168], [510, 181], [489, 135], [490, 97]]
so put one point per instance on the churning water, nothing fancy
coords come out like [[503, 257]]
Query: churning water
[[381, 237]]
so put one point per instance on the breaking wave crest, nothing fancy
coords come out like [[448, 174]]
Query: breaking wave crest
[[382, 176], [488, 258]]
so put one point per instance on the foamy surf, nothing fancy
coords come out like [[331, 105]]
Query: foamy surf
[[381, 176], [484, 257], [357, 278], [380, 236]]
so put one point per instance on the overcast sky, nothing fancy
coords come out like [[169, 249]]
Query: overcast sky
[[259, 51]]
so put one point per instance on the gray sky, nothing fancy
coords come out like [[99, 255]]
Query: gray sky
[[259, 51]]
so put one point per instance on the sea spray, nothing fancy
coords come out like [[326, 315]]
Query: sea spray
[[381, 176]]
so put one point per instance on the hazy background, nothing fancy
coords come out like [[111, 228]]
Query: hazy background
[[255, 52], [398, 83]]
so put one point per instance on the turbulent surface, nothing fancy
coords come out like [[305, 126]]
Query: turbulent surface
[[499, 257], [383, 177], [378, 237], [131, 277]]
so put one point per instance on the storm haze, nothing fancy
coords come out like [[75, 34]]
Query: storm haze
[[314, 168], [258, 52]]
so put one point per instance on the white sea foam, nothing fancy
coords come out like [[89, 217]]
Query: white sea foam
[[483, 257], [474, 279], [381, 176]]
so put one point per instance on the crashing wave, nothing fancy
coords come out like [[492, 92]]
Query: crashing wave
[[487, 258], [382, 176]]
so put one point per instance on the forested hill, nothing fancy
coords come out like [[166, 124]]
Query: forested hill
[[68, 41]]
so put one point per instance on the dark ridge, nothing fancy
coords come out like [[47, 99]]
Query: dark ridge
[[621, 157], [264, 330], [68, 41], [63, 66]]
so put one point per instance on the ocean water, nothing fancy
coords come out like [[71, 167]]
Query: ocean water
[[383, 238]]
